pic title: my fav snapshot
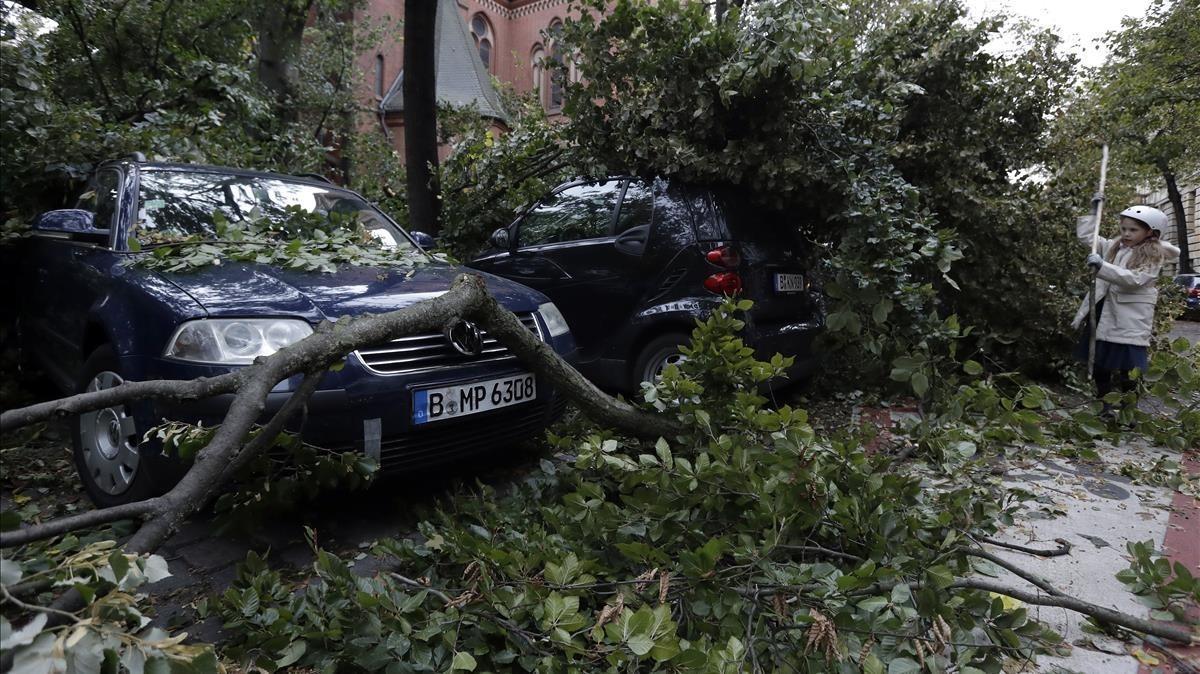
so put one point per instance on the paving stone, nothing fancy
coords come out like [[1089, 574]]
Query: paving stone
[[298, 556], [181, 576], [213, 553], [372, 564], [191, 532]]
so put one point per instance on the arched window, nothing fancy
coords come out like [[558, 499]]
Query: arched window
[[555, 101], [379, 75], [537, 63], [482, 32]]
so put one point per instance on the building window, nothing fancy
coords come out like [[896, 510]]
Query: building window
[[555, 102], [482, 32], [379, 75], [537, 62]]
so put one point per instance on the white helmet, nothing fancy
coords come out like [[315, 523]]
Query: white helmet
[[1149, 216]]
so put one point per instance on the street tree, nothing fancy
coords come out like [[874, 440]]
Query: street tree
[[1148, 100]]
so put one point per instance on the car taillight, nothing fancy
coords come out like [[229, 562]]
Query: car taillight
[[724, 283], [1195, 292], [724, 256]]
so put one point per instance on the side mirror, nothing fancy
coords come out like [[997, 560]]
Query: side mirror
[[424, 240], [500, 239], [75, 223]]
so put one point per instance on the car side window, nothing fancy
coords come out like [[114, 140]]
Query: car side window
[[637, 208], [103, 198], [573, 214]]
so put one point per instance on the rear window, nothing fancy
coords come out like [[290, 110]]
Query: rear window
[[747, 221]]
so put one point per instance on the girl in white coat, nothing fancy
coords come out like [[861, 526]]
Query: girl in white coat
[[1127, 269]]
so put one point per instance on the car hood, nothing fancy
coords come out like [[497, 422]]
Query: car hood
[[261, 290]]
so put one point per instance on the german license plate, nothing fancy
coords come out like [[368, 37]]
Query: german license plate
[[451, 402], [789, 283]]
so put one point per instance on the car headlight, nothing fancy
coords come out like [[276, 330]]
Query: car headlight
[[555, 323], [234, 341]]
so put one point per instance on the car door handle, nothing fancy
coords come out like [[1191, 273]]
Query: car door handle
[[633, 240]]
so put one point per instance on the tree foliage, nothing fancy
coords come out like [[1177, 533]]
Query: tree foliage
[[898, 145], [1145, 100], [174, 79]]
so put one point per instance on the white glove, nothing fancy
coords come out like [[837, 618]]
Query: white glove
[[1095, 261]]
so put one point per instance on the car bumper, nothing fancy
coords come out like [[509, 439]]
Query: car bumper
[[358, 410], [789, 339]]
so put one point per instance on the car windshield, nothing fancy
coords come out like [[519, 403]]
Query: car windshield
[[180, 205]]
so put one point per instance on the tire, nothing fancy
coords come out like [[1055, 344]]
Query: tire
[[106, 441], [656, 355]]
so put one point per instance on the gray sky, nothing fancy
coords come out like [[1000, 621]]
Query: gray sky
[[1078, 22]]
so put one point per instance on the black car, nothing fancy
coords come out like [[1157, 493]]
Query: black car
[[632, 265]]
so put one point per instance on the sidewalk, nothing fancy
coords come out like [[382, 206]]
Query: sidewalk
[[1098, 512]]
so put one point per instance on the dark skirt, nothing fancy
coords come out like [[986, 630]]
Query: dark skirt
[[1109, 355]]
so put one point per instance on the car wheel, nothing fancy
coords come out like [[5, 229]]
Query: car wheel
[[657, 355], [106, 441]]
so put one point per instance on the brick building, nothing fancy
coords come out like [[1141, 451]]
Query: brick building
[[1190, 191], [477, 40]]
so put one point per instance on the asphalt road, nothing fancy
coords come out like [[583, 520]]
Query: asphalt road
[[1188, 329]]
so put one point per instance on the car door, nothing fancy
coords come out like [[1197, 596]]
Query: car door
[[69, 275], [567, 247]]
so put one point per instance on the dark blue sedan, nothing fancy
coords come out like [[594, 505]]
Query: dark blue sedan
[[94, 315]]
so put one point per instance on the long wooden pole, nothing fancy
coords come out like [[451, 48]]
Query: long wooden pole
[[1097, 211]]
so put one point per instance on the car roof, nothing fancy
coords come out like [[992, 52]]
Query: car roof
[[208, 168]]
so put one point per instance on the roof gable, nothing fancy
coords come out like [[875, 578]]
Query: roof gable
[[461, 77]]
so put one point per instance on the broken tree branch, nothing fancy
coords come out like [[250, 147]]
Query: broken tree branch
[[1064, 547], [163, 389], [266, 436], [1142, 625], [541, 358], [92, 518], [1030, 576]]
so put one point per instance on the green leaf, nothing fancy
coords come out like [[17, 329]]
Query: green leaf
[[972, 368], [920, 384], [10, 571], [903, 666], [119, 564], [292, 653], [463, 661]]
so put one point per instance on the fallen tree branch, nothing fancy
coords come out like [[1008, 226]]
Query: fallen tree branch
[[1141, 625], [162, 389], [1030, 576], [541, 358], [266, 436], [1064, 547], [92, 518], [818, 550]]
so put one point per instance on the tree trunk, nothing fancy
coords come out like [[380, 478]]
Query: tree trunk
[[280, 31], [420, 115], [1181, 233]]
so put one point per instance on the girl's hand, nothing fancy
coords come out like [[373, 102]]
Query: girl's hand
[[1095, 261]]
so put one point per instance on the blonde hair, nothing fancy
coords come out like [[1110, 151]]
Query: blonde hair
[[1146, 255]]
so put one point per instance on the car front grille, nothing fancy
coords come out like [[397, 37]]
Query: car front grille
[[415, 353]]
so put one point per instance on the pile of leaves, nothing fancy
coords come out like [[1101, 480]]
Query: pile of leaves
[[297, 239]]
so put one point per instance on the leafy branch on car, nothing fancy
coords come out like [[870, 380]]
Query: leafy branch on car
[[297, 239]]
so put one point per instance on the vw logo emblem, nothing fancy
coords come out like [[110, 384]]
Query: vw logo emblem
[[465, 337]]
